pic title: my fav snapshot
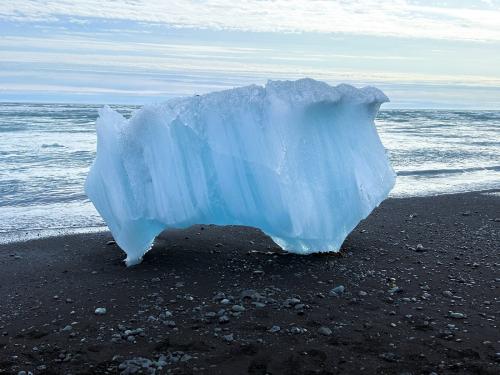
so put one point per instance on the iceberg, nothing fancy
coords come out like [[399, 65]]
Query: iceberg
[[301, 160]]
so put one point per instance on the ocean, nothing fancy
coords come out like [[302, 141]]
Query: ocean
[[46, 151]]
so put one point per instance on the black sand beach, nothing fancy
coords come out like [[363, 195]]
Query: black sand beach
[[421, 295]]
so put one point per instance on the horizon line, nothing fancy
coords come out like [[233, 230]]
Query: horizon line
[[145, 104]]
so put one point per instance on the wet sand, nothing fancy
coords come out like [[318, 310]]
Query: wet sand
[[415, 290]]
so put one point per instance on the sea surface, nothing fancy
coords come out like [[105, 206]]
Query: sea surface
[[46, 151]]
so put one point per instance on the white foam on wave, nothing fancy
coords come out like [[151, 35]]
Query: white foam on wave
[[34, 234]]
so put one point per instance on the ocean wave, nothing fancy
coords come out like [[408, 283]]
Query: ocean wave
[[53, 145], [427, 172]]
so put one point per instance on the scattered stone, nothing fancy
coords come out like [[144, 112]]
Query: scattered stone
[[299, 306], [228, 338], [223, 319], [289, 302], [395, 290], [447, 293], [170, 323], [238, 308], [134, 365], [109, 243], [219, 296], [391, 282], [297, 330], [248, 293], [325, 331], [389, 357], [134, 332], [100, 311], [456, 315], [362, 293], [210, 314], [420, 248], [337, 291], [426, 295], [275, 329]]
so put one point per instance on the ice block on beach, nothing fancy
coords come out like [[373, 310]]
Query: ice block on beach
[[301, 160]]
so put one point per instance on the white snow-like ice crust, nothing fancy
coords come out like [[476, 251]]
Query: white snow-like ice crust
[[301, 160]]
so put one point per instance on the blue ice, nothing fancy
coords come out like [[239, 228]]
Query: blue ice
[[301, 160]]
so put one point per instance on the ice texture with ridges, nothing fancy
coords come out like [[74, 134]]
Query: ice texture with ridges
[[301, 160]]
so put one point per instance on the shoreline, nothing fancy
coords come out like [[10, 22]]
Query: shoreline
[[421, 280], [43, 233]]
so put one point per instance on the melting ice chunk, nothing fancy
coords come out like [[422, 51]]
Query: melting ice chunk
[[300, 160]]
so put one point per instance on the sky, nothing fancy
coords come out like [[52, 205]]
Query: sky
[[422, 54]]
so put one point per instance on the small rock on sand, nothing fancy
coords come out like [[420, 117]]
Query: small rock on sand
[[275, 329], [325, 331], [337, 291], [100, 311], [456, 315]]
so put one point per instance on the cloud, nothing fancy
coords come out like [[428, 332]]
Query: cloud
[[129, 50], [187, 61], [477, 20]]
